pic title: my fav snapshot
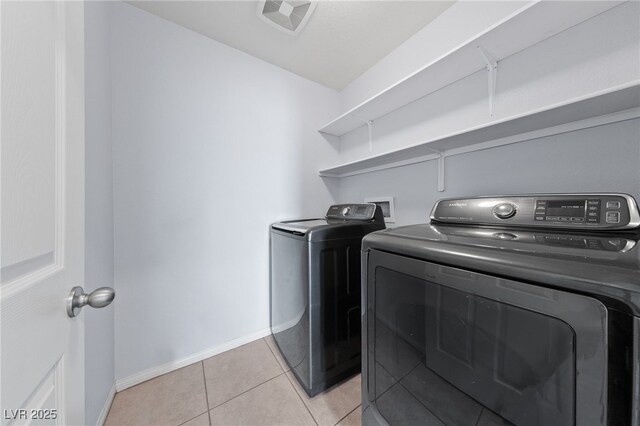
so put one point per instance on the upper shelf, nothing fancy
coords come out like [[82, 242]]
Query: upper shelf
[[508, 130], [526, 27]]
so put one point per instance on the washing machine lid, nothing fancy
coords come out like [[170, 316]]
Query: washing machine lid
[[300, 226]]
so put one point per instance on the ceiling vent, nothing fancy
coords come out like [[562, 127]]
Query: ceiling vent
[[288, 16]]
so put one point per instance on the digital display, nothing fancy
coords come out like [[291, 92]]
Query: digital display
[[570, 208]]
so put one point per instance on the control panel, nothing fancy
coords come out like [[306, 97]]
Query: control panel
[[592, 242], [585, 211], [351, 211]]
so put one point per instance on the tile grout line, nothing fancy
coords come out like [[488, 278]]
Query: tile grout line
[[274, 355], [205, 395], [300, 397], [209, 408], [187, 421], [292, 385], [248, 390], [204, 377], [206, 392], [348, 414]]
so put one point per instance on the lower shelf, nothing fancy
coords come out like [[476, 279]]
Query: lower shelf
[[613, 105]]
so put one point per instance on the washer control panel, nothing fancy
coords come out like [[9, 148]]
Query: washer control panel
[[352, 211], [586, 211]]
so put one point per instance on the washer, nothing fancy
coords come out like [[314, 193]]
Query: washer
[[505, 310], [315, 293]]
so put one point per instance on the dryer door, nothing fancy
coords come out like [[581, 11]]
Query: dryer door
[[448, 346]]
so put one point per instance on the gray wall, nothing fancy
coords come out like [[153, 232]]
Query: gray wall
[[210, 145], [604, 158], [99, 323]]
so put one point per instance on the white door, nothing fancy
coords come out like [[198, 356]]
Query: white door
[[42, 169]]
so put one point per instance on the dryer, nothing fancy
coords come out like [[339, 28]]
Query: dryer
[[510, 310]]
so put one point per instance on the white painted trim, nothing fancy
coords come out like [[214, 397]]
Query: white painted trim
[[107, 406], [143, 376]]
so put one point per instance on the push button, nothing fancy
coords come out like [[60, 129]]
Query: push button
[[613, 204], [613, 217]]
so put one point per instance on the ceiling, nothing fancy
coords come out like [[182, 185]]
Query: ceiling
[[341, 40]]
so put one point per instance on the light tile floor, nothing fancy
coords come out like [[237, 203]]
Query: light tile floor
[[249, 385]]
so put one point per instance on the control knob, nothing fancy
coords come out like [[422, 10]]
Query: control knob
[[504, 210]]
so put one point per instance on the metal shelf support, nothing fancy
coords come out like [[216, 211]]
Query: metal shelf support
[[492, 74], [441, 163], [369, 124], [441, 172], [370, 129]]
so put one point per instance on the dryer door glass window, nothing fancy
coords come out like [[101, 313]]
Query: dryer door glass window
[[442, 352]]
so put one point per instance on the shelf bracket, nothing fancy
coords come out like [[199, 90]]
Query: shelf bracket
[[441, 155], [369, 124], [370, 128], [441, 172], [492, 74]]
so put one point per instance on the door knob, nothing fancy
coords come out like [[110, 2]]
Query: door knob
[[98, 298]]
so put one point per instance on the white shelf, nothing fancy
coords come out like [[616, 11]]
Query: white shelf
[[616, 104], [526, 27]]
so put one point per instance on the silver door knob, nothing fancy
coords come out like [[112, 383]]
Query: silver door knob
[[98, 298]]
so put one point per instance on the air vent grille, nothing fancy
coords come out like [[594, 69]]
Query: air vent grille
[[288, 16]]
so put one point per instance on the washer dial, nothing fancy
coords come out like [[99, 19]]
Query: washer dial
[[504, 210]]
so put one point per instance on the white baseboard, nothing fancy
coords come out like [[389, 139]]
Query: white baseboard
[[107, 406], [143, 376]]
